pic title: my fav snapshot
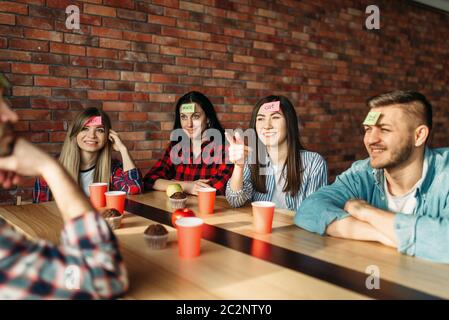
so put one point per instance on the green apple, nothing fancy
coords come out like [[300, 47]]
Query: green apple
[[173, 188]]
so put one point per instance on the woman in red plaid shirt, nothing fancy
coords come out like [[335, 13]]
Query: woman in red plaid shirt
[[194, 160], [86, 155]]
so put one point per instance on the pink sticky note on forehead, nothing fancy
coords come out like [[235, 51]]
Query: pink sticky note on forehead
[[94, 121], [271, 106]]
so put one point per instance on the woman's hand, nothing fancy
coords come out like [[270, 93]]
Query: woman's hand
[[192, 187], [117, 144], [238, 152]]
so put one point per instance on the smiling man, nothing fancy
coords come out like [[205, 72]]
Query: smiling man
[[399, 195]]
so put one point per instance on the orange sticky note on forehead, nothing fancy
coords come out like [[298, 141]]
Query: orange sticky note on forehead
[[270, 106], [94, 121]]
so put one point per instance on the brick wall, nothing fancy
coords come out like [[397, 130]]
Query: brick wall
[[135, 58]]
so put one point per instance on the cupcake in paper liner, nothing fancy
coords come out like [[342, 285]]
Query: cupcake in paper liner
[[156, 236]]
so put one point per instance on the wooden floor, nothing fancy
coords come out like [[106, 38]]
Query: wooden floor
[[319, 267]]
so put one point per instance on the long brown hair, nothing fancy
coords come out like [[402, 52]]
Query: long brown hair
[[293, 166], [70, 155]]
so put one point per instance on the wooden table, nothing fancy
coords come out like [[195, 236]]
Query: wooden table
[[236, 263]]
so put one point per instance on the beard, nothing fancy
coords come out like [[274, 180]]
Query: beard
[[398, 156]]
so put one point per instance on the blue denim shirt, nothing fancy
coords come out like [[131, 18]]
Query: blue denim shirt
[[424, 234]]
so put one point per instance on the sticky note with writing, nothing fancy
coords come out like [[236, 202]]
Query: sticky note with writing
[[371, 118], [94, 121], [271, 106], [188, 108]]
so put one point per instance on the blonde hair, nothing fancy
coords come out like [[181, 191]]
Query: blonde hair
[[70, 154]]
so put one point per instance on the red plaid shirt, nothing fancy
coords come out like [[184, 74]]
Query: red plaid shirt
[[213, 167], [87, 264], [129, 181]]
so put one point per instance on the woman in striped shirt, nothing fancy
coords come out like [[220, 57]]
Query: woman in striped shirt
[[280, 170]]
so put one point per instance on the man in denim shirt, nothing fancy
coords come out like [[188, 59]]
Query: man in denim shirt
[[400, 195]]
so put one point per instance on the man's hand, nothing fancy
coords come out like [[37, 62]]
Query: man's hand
[[192, 187]]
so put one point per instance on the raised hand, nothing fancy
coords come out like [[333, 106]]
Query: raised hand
[[117, 144], [238, 152]]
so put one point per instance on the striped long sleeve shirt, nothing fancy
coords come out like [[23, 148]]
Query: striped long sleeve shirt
[[314, 177]]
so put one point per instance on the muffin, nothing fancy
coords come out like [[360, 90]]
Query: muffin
[[178, 200], [113, 218], [156, 236]]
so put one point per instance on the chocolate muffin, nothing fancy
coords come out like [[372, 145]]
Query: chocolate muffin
[[111, 213], [156, 236], [113, 217], [178, 200], [178, 195]]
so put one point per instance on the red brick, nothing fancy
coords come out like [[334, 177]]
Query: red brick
[[185, 5], [234, 33], [86, 84], [145, 145], [167, 3], [43, 35], [67, 49], [47, 126], [167, 21], [174, 32], [173, 51], [164, 78], [265, 29], [148, 87], [133, 96], [30, 68], [97, 10], [32, 45], [135, 76], [31, 91], [11, 55], [68, 71], [118, 106], [35, 22], [103, 95], [133, 116], [33, 114], [243, 59], [223, 74], [131, 15], [57, 136], [104, 74], [115, 44], [7, 19], [7, 6], [102, 53], [132, 136], [181, 61], [162, 98], [198, 35], [129, 4], [51, 82], [45, 103], [139, 155], [106, 32], [137, 36]]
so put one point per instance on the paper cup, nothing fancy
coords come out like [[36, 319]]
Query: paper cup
[[189, 236], [116, 200], [206, 200], [96, 194], [263, 212]]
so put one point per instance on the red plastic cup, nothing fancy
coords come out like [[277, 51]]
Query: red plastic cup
[[190, 230], [206, 200], [116, 200], [263, 212], [96, 194]]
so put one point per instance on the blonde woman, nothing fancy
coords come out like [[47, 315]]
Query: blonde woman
[[86, 155]]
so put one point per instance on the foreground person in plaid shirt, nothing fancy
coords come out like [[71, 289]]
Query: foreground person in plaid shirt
[[199, 168], [86, 155], [87, 265]]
